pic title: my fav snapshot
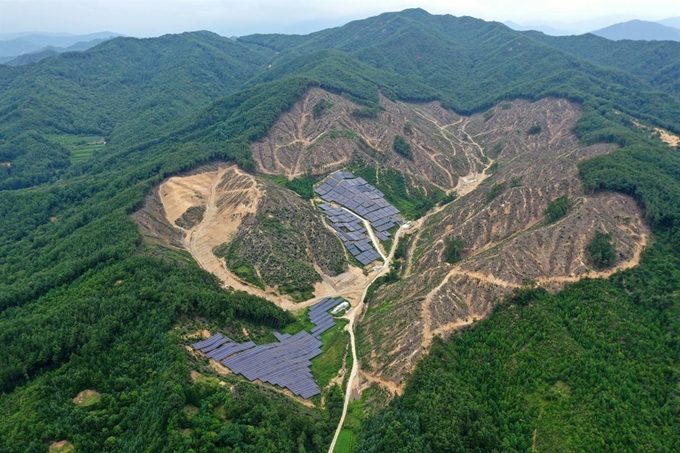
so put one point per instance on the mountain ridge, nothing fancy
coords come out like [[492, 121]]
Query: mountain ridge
[[89, 302]]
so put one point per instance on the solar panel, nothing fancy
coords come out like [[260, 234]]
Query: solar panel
[[208, 341], [215, 345], [286, 363]]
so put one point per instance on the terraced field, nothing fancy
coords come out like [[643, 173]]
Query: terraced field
[[81, 147]]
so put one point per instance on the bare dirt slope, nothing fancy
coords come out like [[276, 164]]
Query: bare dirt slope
[[267, 220], [506, 166], [228, 195], [285, 243], [507, 240], [301, 141]]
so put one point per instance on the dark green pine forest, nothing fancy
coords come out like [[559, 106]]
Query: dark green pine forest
[[85, 303]]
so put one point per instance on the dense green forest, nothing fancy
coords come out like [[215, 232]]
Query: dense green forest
[[86, 304]]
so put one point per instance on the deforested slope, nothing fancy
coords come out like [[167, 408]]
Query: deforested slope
[[504, 237], [285, 244], [251, 233], [324, 132]]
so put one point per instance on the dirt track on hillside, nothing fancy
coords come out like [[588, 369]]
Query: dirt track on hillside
[[504, 178], [507, 241]]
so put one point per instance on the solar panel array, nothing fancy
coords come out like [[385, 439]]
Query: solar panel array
[[351, 231], [362, 198], [319, 316], [285, 363]]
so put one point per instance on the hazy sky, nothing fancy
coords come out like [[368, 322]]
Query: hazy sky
[[227, 17]]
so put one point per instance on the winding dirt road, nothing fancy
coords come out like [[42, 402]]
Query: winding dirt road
[[351, 315], [228, 194]]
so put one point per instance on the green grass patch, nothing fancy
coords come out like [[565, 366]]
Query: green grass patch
[[494, 191], [230, 253], [302, 323], [302, 185], [298, 294], [557, 209], [191, 217], [345, 443], [372, 399], [247, 273], [326, 366], [383, 308]]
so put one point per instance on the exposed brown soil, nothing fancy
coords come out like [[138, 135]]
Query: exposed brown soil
[[667, 137], [299, 142], [369, 379], [85, 395], [233, 200], [202, 334], [507, 240], [504, 178], [62, 446], [195, 376], [154, 226], [219, 368], [228, 195]]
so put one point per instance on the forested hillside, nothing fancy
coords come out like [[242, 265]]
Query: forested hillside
[[125, 90], [87, 304]]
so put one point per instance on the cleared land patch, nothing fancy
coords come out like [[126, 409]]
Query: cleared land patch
[[667, 137], [505, 240], [228, 195], [87, 398], [62, 447], [284, 245], [81, 146], [301, 142]]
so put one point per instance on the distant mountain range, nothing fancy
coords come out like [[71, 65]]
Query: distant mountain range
[[639, 30], [547, 29], [663, 30], [49, 51], [18, 45], [671, 22]]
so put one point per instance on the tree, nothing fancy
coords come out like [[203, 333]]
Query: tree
[[453, 249], [602, 251], [557, 208], [402, 147]]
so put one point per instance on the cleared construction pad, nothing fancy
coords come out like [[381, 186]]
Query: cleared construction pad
[[285, 363]]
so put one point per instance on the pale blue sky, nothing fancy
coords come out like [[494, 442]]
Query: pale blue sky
[[155, 17]]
